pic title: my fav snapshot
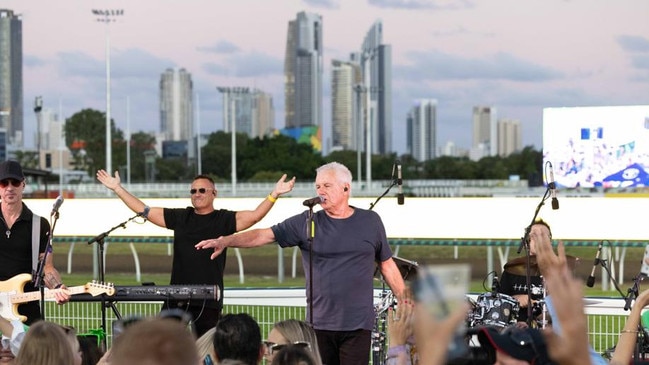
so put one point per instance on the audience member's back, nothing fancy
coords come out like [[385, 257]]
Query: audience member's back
[[238, 337], [45, 343], [155, 341]]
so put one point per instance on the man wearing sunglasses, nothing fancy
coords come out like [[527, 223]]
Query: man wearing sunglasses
[[191, 225], [16, 240]]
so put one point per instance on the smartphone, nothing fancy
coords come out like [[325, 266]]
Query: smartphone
[[208, 360], [644, 268], [442, 288]]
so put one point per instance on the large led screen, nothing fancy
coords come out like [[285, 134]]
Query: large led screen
[[597, 146]]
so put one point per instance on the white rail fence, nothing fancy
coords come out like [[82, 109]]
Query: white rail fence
[[606, 316]]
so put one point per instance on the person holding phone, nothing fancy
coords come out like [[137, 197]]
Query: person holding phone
[[346, 245], [191, 225]]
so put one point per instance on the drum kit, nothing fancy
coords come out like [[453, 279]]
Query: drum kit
[[492, 309]]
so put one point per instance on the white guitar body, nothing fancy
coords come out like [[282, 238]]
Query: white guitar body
[[12, 294]]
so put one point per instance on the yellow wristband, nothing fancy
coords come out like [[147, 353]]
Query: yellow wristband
[[271, 199], [629, 331]]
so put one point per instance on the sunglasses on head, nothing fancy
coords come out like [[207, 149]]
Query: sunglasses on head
[[201, 190], [15, 183], [273, 347]]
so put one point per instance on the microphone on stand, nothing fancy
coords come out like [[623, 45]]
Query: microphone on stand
[[400, 197], [313, 201], [57, 204], [552, 185], [591, 279], [495, 286]]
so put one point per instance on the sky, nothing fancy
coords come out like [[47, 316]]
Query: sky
[[516, 56]]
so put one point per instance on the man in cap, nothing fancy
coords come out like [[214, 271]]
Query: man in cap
[[514, 346], [16, 240]]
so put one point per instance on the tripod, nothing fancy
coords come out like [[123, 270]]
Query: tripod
[[105, 303]]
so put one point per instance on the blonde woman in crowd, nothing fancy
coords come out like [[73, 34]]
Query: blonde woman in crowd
[[205, 346], [291, 332], [45, 344]]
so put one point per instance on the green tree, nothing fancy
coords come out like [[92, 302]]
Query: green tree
[[85, 136], [278, 153], [140, 142], [27, 159]]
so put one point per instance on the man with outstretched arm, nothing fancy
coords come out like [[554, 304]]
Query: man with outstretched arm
[[191, 225], [348, 243]]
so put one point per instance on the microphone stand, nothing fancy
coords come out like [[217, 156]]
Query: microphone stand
[[39, 277], [525, 243], [392, 184], [633, 294], [310, 233], [102, 274], [378, 348]]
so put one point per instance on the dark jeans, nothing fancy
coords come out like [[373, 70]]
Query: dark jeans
[[344, 347]]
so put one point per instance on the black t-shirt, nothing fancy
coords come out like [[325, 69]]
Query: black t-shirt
[[16, 254], [512, 284], [192, 266]]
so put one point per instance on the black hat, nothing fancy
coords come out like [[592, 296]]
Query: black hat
[[525, 344], [11, 170]]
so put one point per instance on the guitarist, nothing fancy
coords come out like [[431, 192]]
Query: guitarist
[[16, 240]]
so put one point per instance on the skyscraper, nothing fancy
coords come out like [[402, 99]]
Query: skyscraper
[[11, 76], [252, 110], [484, 132], [176, 105], [422, 130], [303, 71], [509, 137], [376, 66], [345, 76]]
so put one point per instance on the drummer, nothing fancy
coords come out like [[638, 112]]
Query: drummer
[[513, 281]]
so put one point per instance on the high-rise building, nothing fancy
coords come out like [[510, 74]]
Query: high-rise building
[[11, 76], [509, 137], [251, 109], [346, 126], [376, 66], [422, 130], [176, 105], [484, 132], [303, 71]]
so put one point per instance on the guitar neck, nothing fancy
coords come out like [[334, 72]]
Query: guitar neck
[[49, 294]]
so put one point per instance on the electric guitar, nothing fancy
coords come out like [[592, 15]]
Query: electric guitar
[[12, 294]]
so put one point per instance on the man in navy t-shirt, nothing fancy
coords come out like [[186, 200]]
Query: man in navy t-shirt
[[347, 243]]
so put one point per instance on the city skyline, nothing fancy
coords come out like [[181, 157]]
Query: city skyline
[[462, 53]]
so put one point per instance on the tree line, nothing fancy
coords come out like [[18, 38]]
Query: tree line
[[265, 159]]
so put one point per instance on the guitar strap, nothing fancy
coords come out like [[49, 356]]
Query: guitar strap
[[36, 235]]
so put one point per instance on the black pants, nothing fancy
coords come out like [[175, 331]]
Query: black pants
[[344, 347]]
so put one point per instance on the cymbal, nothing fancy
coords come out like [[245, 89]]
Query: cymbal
[[408, 269], [517, 266]]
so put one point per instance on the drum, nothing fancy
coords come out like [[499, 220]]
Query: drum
[[494, 309]]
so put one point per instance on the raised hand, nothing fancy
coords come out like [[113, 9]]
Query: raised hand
[[282, 186], [109, 181]]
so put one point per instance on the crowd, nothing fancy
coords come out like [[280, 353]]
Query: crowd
[[342, 246]]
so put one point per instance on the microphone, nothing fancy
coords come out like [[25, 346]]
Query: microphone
[[57, 204], [552, 185], [495, 285], [313, 201], [400, 196], [591, 279]]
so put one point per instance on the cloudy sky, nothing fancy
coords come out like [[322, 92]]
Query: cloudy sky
[[518, 56]]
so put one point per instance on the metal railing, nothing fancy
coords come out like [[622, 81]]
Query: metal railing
[[606, 317]]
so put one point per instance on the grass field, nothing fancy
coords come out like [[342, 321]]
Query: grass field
[[151, 256]]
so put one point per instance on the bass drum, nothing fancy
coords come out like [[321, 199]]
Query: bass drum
[[494, 309]]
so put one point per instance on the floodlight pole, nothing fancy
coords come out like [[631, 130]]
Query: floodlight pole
[[108, 16]]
